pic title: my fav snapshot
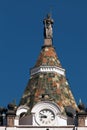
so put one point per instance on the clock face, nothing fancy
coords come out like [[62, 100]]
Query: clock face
[[45, 117]]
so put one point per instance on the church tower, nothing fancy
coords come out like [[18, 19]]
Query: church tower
[[47, 78]]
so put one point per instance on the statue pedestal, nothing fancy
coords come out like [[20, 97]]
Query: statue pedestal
[[47, 42]]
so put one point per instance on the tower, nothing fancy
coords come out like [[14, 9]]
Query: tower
[[47, 78]]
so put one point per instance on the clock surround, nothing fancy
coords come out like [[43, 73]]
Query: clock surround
[[45, 113]]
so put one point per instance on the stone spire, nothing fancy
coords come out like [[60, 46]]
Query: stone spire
[[47, 78]]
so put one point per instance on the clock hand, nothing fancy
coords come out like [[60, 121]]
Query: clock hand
[[43, 116]]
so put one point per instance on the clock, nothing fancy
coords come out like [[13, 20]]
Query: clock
[[45, 117]]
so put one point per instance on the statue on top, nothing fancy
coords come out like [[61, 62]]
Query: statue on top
[[48, 34]]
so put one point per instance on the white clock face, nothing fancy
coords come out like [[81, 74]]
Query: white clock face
[[45, 117]]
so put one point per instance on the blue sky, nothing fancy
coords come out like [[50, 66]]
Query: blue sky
[[21, 38]]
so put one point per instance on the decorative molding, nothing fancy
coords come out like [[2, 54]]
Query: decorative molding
[[46, 105], [59, 120], [50, 69], [22, 109]]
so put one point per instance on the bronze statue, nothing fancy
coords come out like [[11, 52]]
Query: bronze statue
[[48, 34]]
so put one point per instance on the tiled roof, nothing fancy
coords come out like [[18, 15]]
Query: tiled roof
[[48, 86], [48, 57]]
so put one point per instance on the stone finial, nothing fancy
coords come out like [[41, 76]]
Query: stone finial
[[11, 113], [81, 106]]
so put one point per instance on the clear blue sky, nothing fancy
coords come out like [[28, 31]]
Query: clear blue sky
[[21, 38]]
